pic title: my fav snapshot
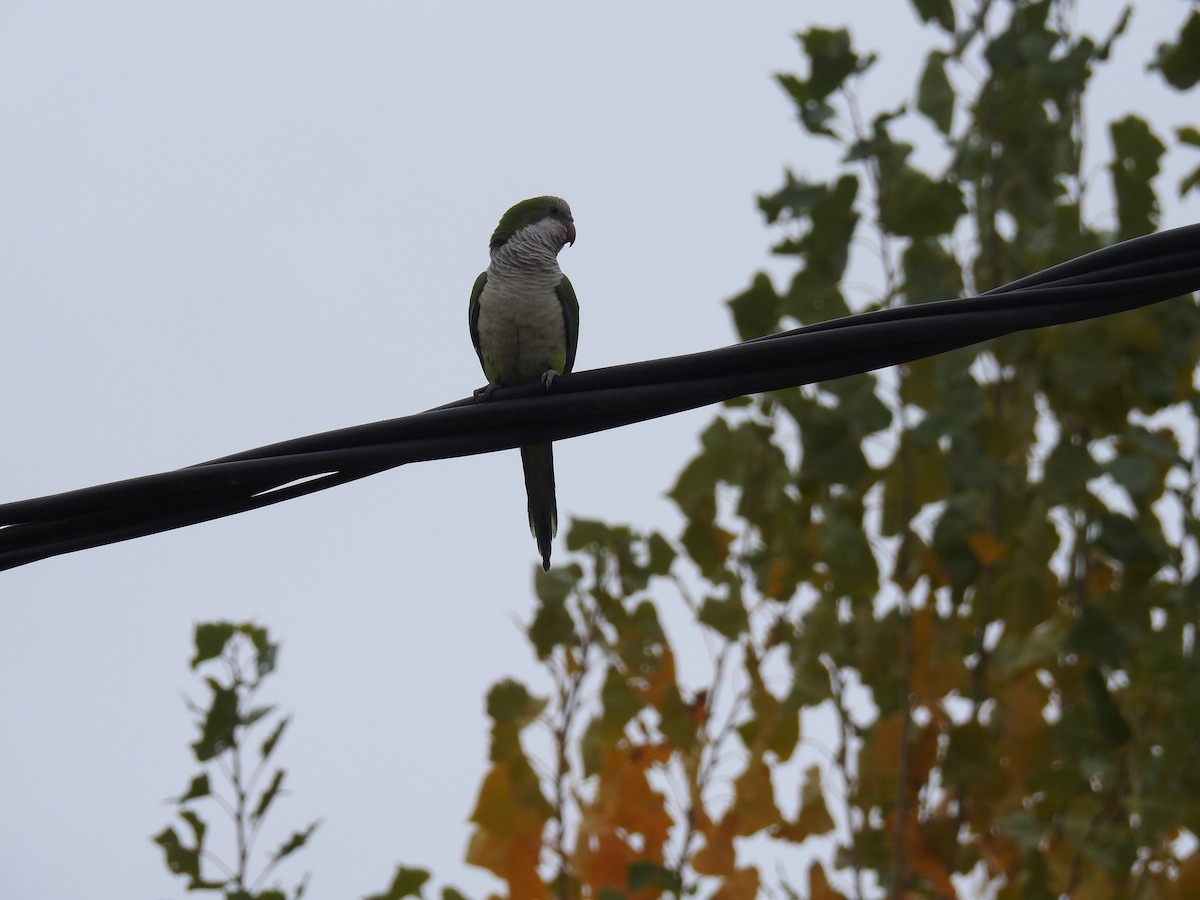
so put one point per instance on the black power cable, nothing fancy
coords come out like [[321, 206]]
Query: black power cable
[[1121, 277]]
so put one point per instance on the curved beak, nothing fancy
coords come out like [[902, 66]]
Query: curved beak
[[571, 232]]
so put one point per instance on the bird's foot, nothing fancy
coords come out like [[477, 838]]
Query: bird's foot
[[484, 394], [548, 379]]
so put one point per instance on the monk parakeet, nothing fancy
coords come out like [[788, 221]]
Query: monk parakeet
[[525, 326]]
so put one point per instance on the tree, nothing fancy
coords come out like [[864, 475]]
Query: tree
[[983, 565], [981, 568]]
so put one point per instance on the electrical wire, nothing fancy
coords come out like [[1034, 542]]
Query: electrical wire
[[1121, 277]]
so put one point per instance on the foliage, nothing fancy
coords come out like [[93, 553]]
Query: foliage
[[950, 608], [244, 656], [978, 572]]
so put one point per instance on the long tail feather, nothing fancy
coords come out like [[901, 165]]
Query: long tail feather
[[538, 461]]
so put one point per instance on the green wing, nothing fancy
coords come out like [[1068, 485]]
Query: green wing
[[473, 313], [570, 310]]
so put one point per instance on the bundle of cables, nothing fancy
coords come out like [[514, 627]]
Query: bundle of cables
[[1121, 277]]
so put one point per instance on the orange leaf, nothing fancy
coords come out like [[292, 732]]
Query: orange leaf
[[742, 884], [660, 681], [1024, 746], [716, 857], [754, 801], [508, 839], [814, 815], [779, 577], [924, 859], [937, 665], [818, 885], [1188, 882], [882, 757], [626, 822], [1100, 575], [985, 547], [999, 852]]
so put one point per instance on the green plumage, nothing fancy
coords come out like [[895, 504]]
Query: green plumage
[[524, 322]]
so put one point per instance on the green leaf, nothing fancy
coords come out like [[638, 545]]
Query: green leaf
[[259, 712], [266, 653], [295, 842], [1068, 469], [210, 640], [1121, 538], [217, 730], [1179, 62], [939, 11], [880, 146], [197, 824], [1023, 828], [831, 62], [1190, 136], [756, 310], [268, 795], [795, 200], [930, 272], [1136, 152], [830, 451], [552, 625], [1095, 636], [831, 59], [1119, 28], [510, 702], [268, 746], [912, 204], [1189, 182], [645, 874], [827, 217], [620, 703], [726, 616], [1109, 720], [775, 724], [935, 95], [198, 788], [677, 723], [968, 755], [583, 533], [661, 554], [180, 859], [407, 883]]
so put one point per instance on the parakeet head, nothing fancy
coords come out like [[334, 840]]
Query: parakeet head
[[549, 213]]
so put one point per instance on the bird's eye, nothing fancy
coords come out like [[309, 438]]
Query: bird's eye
[[555, 209]]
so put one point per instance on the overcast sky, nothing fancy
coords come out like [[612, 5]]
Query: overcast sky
[[224, 224]]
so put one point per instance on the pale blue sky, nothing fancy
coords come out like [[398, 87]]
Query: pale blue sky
[[224, 224]]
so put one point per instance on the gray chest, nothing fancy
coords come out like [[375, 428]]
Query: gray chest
[[521, 331]]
